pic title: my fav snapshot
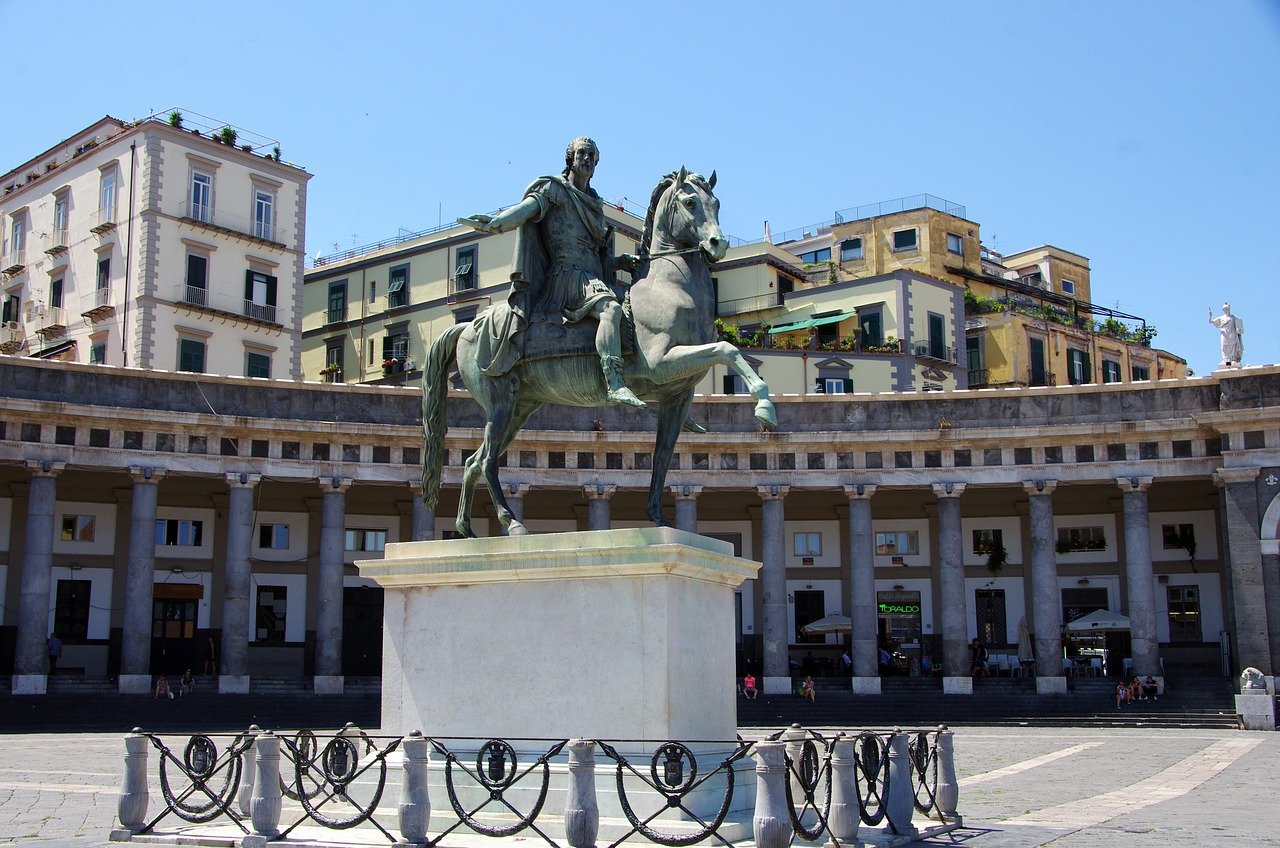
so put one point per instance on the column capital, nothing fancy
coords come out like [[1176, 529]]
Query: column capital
[[859, 490], [685, 491], [45, 467], [516, 490], [415, 486], [145, 473], [243, 479], [1040, 487], [1226, 476], [948, 490], [601, 491], [1134, 484], [772, 492], [335, 484]]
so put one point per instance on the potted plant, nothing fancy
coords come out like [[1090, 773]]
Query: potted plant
[[275, 153], [175, 119], [330, 372], [227, 136], [390, 366], [996, 559]]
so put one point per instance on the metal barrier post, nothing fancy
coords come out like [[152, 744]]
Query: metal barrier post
[[265, 808], [415, 805], [772, 820], [581, 812], [132, 807], [901, 801], [244, 795], [948, 797], [845, 815]]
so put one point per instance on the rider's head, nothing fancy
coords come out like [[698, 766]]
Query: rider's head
[[580, 141]]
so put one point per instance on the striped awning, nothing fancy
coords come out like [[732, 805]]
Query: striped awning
[[811, 322]]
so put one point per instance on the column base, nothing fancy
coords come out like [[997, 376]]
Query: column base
[[1051, 685], [777, 685], [957, 685], [233, 684], [30, 684], [327, 684], [866, 686], [136, 684]]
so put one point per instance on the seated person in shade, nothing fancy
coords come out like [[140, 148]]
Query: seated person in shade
[[1122, 694], [806, 689], [749, 686], [187, 684], [162, 688], [1135, 689], [977, 658], [1150, 689]]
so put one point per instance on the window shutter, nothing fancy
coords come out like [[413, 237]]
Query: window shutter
[[1088, 368], [248, 285], [848, 385], [197, 268], [387, 347], [271, 291]]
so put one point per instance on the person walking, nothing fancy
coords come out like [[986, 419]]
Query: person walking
[[55, 652]]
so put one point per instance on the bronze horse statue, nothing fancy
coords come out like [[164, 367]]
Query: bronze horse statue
[[671, 306]]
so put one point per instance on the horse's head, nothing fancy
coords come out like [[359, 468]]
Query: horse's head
[[683, 213]]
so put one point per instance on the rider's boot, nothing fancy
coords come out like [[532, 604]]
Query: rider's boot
[[617, 390]]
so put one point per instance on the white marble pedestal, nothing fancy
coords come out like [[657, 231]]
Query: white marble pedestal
[[611, 634]]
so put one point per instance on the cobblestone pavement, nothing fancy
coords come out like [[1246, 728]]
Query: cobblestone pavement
[[1069, 788]]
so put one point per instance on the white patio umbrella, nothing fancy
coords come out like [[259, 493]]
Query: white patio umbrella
[[1100, 620], [834, 623]]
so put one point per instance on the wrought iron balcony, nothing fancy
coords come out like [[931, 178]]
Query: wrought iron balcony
[[104, 220], [260, 311], [50, 321], [96, 305], [196, 296], [14, 262], [336, 314], [59, 243], [462, 287], [12, 336], [203, 299], [238, 225], [977, 377]]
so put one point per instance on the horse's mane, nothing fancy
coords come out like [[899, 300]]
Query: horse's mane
[[650, 217]]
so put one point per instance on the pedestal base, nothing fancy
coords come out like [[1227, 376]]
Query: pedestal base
[[29, 684], [609, 634], [233, 684], [1051, 685], [866, 685], [1256, 711], [957, 685], [328, 684], [136, 684]]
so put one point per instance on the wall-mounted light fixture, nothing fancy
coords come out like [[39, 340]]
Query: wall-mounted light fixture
[[1083, 581]]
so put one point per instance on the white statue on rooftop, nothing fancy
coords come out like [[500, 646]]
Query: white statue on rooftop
[[1232, 329]]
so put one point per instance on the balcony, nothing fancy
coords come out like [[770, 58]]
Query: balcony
[[14, 262], [49, 322], [203, 300], [462, 287], [336, 314], [263, 232], [742, 305], [12, 336], [59, 243], [940, 353], [96, 305], [103, 221], [1041, 378], [978, 378]]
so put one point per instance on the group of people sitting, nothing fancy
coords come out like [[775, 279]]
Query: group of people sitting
[[186, 686], [749, 691], [1137, 690]]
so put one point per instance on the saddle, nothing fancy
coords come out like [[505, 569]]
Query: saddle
[[548, 338]]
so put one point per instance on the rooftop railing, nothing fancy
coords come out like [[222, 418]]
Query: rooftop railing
[[860, 213]]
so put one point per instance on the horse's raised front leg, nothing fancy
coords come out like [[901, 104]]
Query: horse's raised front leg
[[685, 361], [670, 420]]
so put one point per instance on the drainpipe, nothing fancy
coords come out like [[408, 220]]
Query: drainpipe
[[128, 259]]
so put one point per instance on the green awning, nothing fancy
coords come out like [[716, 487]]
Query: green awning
[[810, 322]]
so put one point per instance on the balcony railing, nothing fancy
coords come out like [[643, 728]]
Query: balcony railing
[[740, 305], [336, 314], [204, 299], [12, 336], [59, 243], [463, 287], [50, 321], [977, 377], [942, 353], [1041, 378], [240, 224], [14, 261], [97, 304], [104, 220]]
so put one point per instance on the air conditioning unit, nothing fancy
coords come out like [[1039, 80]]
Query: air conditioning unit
[[11, 325]]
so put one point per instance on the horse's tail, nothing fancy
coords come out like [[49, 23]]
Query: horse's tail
[[435, 391]]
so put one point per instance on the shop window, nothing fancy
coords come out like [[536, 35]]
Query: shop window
[[1081, 602], [1184, 614], [810, 605], [71, 609], [272, 609], [989, 609]]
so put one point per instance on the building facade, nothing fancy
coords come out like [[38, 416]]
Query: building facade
[[164, 244], [144, 517]]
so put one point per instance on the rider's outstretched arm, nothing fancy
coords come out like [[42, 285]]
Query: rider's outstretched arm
[[513, 217]]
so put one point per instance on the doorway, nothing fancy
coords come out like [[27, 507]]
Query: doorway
[[362, 631], [174, 611]]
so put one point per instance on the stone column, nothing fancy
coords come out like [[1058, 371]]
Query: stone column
[[863, 608], [333, 518], [773, 585], [424, 518], [1140, 579], [31, 654], [139, 583], [1046, 600], [686, 507], [1248, 582], [598, 497], [237, 602], [955, 654]]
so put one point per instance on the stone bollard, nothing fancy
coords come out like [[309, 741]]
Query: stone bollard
[[795, 737], [244, 795], [132, 808], [581, 812], [948, 797], [772, 820], [846, 814], [265, 808], [901, 800], [415, 805]]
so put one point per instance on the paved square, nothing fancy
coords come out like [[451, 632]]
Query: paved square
[[1065, 787]]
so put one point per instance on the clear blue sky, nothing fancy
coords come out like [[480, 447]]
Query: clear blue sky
[[1144, 135]]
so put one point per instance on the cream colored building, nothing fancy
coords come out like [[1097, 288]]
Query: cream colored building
[[162, 244]]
